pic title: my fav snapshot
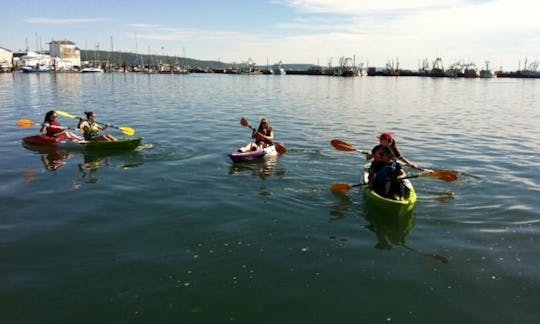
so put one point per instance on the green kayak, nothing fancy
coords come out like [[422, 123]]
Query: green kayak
[[126, 144], [387, 206]]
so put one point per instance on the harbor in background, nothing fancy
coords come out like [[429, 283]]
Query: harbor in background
[[66, 57]]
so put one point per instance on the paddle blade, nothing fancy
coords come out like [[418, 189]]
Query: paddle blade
[[127, 130], [342, 146], [65, 114], [342, 188], [280, 148], [244, 122], [25, 123], [441, 175]]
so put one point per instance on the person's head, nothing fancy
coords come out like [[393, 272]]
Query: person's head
[[386, 138], [387, 154], [264, 122], [90, 115], [50, 116]]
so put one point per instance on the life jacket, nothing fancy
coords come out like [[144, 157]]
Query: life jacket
[[90, 131], [53, 128], [266, 132]]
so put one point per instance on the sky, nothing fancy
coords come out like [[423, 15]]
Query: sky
[[506, 33]]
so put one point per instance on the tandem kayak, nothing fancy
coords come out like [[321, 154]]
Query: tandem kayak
[[388, 206], [256, 155], [127, 144]]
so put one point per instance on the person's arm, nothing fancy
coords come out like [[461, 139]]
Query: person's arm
[[271, 136], [401, 175], [407, 162]]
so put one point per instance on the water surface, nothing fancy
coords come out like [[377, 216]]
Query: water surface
[[173, 232]]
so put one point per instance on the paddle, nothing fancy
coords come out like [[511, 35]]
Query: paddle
[[279, 147], [345, 187], [445, 175], [437, 257], [27, 123], [124, 129], [344, 146]]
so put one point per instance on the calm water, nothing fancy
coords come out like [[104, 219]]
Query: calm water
[[173, 233]]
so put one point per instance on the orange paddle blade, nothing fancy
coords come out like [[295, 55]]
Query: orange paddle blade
[[342, 188], [244, 122], [25, 123], [444, 175], [280, 148], [342, 146]]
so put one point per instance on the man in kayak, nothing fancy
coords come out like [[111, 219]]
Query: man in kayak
[[91, 128], [387, 182], [263, 136], [386, 140], [52, 127]]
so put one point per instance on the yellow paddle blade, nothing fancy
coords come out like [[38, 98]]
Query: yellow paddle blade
[[127, 130], [65, 114], [342, 146], [342, 188], [25, 123]]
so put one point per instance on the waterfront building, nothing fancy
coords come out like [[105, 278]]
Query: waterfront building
[[67, 55], [6, 60]]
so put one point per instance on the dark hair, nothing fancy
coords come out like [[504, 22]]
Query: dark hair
[[48, 116], [88, 114]]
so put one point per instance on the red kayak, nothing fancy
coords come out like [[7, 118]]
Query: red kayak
[[49, 141]]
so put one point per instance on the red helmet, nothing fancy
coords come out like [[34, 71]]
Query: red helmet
[[386, 136]]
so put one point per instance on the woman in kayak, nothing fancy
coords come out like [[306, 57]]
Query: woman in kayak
[[91, 128], [387, 181], [263, 137], [386, 140], [52, 127]]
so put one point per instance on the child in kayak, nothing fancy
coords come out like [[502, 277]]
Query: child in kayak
[[52, 127], [386, 140], [387, 182], [91, 128], [263, 137]]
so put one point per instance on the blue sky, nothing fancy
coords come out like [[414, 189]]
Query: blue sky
[[504, 32]]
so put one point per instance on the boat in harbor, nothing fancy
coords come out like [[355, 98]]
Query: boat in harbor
[[278, 69], [437, 71], [470, 71], [487, 73], [38, 68], [92, 70]]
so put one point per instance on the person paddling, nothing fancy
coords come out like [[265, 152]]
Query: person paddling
[[52, 127], [385, 140], [263, 137], [91, 128], [387, 181]]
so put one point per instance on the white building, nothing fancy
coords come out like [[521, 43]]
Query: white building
[[6, 60], [66, 55]]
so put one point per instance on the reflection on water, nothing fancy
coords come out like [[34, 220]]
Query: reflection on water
[[389, 228], [392, 230], [262, 169], [54, 159]]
